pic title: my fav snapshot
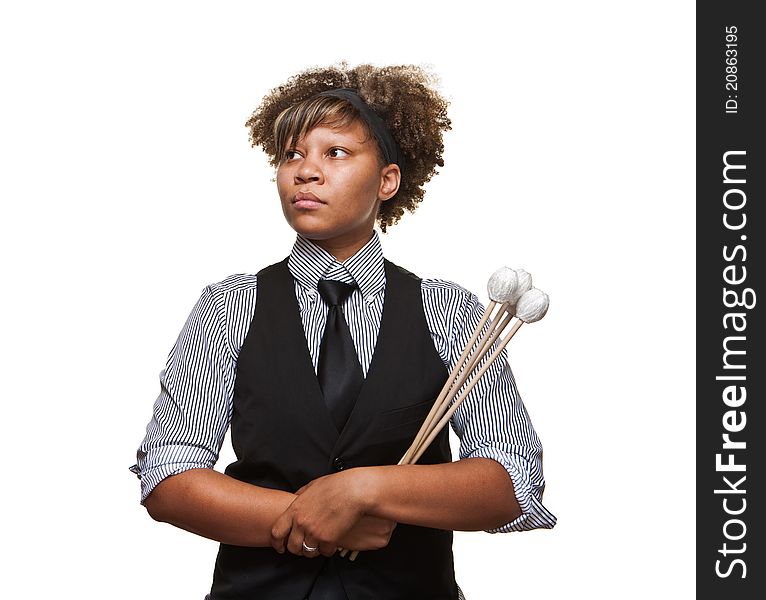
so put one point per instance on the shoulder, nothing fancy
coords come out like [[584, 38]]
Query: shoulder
[[443, 290], [234, 284], [447, 302], [243, 283], [449, 310], [437, 290], [230, 304], [231, 296]]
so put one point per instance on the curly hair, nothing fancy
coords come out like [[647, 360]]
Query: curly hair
[[403, 96]]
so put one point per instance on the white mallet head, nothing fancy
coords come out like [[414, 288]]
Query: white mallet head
[[525, 284], [532, 305], [502, 285]]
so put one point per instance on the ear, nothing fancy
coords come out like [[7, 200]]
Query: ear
[[390, 178]]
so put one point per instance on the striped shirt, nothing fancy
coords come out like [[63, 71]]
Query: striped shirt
[[192, 413]]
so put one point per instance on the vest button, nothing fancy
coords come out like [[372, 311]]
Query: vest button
[[338, 464]]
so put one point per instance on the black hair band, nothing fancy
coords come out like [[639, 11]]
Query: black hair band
[[388, 146]]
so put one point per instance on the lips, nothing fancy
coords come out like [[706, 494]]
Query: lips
[[306, 200]]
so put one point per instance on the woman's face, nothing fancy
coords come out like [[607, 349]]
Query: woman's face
[[331, 185]]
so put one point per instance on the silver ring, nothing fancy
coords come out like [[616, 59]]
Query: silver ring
[[309, 548]]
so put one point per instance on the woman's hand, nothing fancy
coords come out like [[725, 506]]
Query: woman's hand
[[329, 513], [369, 533]]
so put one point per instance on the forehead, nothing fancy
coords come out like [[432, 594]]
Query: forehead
[[354, 131]]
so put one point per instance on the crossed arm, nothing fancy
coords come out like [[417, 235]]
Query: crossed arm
[[355, 509]]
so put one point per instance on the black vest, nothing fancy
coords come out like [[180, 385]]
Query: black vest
[[283, 438]]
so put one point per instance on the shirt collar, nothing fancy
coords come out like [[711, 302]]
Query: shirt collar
[[309, 263]]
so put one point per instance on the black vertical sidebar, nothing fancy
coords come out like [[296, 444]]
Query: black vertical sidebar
[[731, 299]]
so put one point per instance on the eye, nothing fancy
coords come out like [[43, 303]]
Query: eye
[[337, 153], [290, 155]]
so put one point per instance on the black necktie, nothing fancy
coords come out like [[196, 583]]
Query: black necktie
[[340, 375]]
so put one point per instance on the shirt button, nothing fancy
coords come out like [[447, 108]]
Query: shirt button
[[338, 464], [370, 299]]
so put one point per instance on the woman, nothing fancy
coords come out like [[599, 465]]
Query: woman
[[352, 146]]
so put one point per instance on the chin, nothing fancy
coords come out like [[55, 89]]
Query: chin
[[316, 233]]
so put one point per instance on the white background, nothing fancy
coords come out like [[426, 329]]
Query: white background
[[128, 184]]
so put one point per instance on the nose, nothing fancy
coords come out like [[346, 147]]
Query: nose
[[308, 170]]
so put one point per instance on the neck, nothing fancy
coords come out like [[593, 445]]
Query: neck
[[343, 250]]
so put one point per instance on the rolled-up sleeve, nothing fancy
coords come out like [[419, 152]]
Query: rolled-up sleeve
[[192, 412], [492, 421]]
